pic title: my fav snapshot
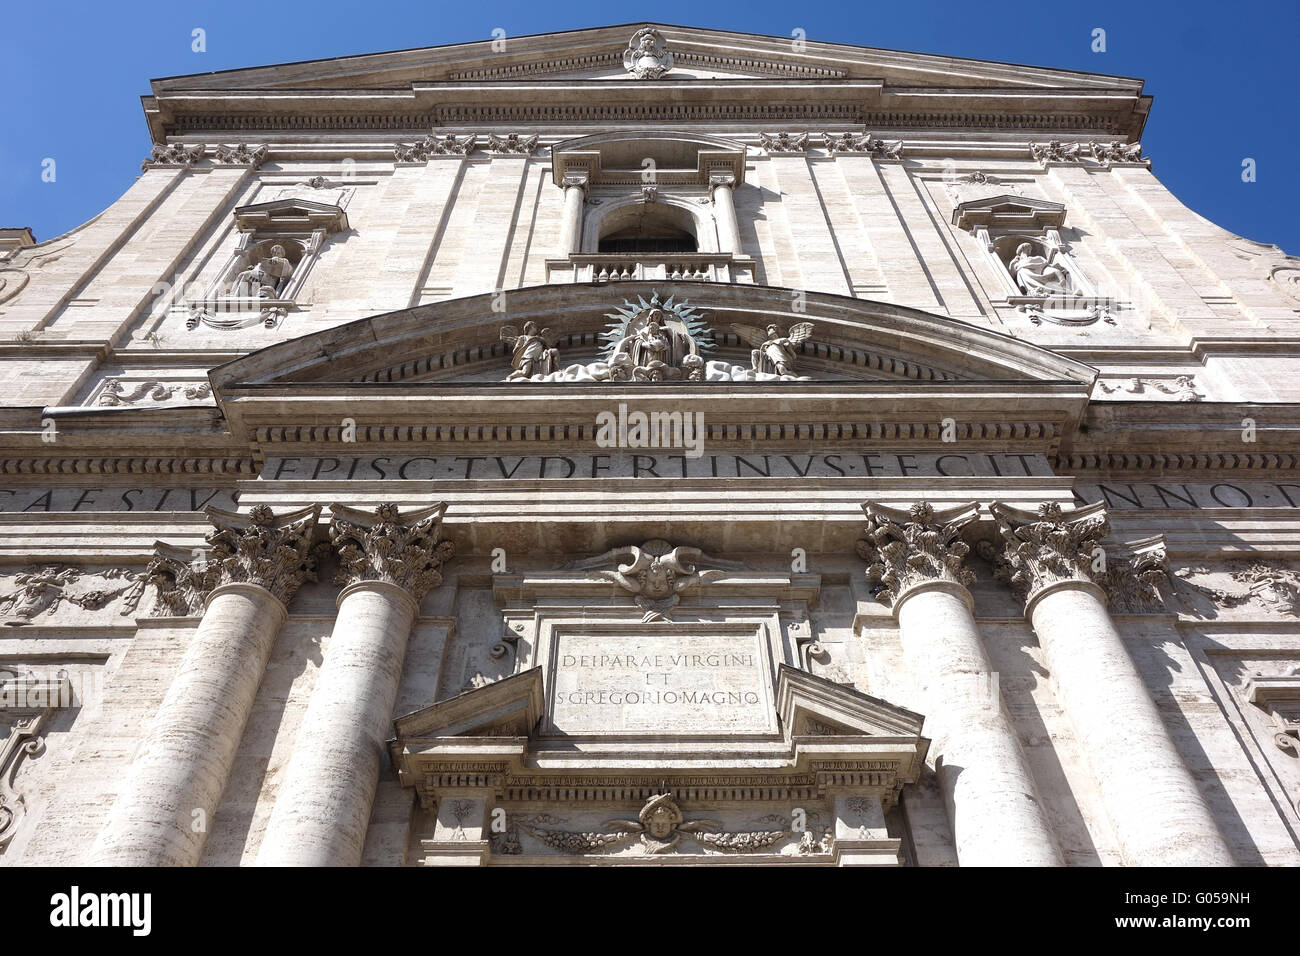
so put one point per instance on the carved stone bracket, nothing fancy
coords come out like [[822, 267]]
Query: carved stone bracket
[[241, 154], [1047, 547], [401, 550], [173, 154], [915, 547], [1279, 697], [25, 705]]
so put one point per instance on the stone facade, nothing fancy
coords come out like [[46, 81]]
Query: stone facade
[[693, 450]]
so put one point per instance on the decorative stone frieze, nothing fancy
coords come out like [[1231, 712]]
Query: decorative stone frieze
[[1268, 586], [1056, 151], [784, 142], [40, 591], [862, 143], [512, 144], [173, 154], [1183, 387], [401, 550], [1047, 548], [117, 393], [1119, 154], [241, 154], [448, 144], [907, 549]]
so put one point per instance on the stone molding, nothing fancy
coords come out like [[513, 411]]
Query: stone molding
[[385, 546], [915, 548], [1046, 548], [25, 704]]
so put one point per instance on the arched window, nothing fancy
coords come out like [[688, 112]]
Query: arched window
[[648, 227]]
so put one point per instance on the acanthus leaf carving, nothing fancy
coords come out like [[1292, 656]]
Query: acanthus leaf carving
[[512, 144], [1132, 581], [784, 142], [259, 548], [1111, 153], [402, 550], [919, 547], [449, 144], [1049, 548], [1056, 151]]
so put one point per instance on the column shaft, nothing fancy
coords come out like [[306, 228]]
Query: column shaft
[[996, 816], [1151, 798], [724, 209], [323, 807], [164, 813], [571, 226]]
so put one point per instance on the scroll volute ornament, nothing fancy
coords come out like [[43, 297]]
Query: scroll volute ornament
[[259, 548], [384, 545], [917, 546]]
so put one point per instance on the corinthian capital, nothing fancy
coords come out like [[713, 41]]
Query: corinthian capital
[[402, 550], [259, 548], [1048, 546], [914, 547]]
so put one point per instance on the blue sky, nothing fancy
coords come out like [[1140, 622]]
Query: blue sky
[[1224, 77]]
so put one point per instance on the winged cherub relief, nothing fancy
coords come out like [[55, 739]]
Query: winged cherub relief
[[773, 352], [534, 352]]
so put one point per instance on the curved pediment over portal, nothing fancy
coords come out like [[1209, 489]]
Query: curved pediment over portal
[[473, 340]]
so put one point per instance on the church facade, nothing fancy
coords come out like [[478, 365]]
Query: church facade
[[649, 445]]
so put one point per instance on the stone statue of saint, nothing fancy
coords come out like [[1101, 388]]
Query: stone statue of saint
[[534, 352], [657, 349], [264, 279], [1037, 275], [773, 352]]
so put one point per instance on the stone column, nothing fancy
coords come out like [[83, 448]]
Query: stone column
[[1152, 800], [387, 563], [996, 815], [724, 211], [164, 812], [575, 194]]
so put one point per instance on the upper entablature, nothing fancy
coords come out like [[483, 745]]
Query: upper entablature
[[638, 66]]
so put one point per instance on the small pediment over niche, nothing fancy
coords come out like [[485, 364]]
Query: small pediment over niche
[[295, 214], [1009, 211], [506, 708], [816, 707]]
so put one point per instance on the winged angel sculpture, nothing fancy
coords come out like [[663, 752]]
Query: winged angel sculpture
[[534, 352], [773, 352]]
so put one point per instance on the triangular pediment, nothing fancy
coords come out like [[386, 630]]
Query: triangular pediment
[[588, 74], [597, 53]]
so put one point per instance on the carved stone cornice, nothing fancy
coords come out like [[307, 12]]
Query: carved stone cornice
[[173, 154], [401, 550], [920, 546], [259, 548], [241, 155], [1048, 547]]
